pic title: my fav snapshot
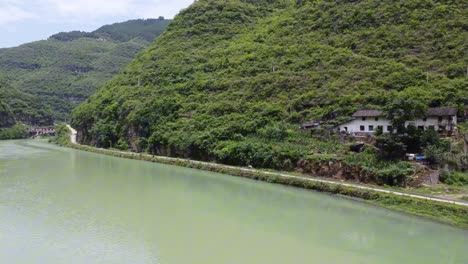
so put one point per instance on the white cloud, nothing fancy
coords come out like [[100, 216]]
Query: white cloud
[[87, 8], [86, 11], [27, 20], [11, 12], [153, 8]]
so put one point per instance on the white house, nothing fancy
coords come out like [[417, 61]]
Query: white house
[[442, 119]]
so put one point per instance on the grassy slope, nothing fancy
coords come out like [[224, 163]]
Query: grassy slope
[[68, 67], [231, 80]]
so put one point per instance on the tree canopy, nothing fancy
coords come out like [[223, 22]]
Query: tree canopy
[[232, 80], [64, 70]]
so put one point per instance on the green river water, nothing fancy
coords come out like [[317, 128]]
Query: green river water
[[60, 205]]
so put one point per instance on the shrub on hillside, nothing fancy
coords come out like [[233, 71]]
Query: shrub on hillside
[[454, 178]]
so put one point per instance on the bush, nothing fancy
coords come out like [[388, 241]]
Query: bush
[[391, 147], [435, 155], [18, 131], [122, 144], [395, 174], [454, 178], [62, 135]]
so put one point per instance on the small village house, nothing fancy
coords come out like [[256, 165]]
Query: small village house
[[442, 119]]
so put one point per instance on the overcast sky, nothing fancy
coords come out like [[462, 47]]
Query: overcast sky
[[24, 21]]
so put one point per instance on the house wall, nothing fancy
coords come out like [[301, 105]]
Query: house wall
[[354, 126], [449, 122]]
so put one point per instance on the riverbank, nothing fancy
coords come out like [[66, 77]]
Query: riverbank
[[446, 211]]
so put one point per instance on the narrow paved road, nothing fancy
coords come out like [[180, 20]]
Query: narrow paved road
[[353, 185]]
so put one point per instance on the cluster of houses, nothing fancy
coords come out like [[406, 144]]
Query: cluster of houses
[[367, 122]]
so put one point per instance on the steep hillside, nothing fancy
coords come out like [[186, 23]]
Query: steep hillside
[[16, 106], [232, 80], [68, 67]]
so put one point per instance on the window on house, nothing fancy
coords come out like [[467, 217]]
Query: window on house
[[431, 127], [346, 129], [425, 119], [421, 127], [442, 128], [362, 128], [363, 119], [389, 128], [376, 119], [371, 128], [440, 119]]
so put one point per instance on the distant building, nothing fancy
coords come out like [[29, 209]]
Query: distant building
[[42, 130], [442, 119]]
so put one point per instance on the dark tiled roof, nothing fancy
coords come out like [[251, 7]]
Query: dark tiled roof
[[367, 113], [442, 111]]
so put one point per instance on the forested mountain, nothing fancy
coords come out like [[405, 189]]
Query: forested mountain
[[232, 80], [64, 70], [16, 106]]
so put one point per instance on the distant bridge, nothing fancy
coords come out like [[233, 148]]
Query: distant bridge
[[36, 131]]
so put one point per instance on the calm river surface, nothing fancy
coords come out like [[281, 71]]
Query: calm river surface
[[59, 205]]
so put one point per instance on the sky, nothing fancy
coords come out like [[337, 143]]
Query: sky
[[23, 21]]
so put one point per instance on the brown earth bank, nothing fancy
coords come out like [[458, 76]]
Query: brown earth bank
[[337, 169]]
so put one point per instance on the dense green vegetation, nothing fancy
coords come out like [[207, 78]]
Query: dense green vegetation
[[454, 178], [62, 135], [18, 131], [17, 106], [64, 70], [231, 81]]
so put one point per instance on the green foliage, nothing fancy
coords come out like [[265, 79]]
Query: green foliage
[[64, 70], [454, 178], [16, 106], [380, 171], [7, 119], [232, 80], [394, 175], [412, 140], [18, 131], [463, 127], [379, 131], [435, 155], [429, 137], [258, 154], [391, 147], [400, 110], [62, 135], [122, 144]]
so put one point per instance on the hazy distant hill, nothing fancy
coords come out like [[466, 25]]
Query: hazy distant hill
[[16, 106], [68, 67]]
